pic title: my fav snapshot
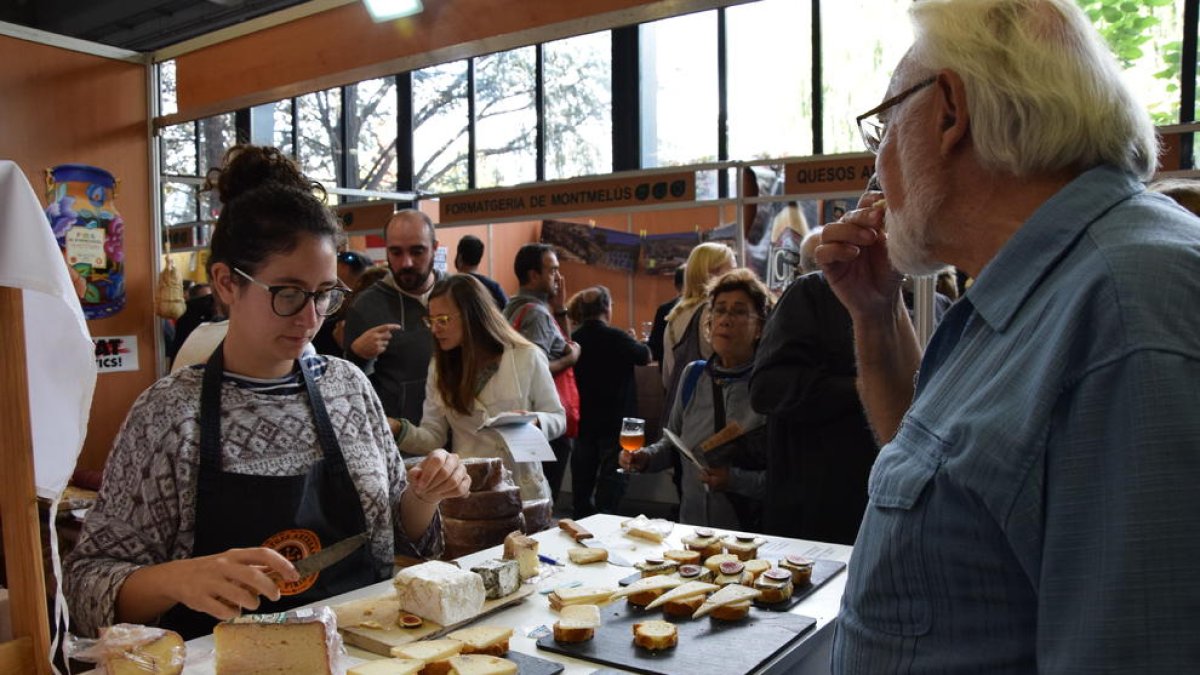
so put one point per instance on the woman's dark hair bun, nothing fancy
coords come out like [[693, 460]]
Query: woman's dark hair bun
[[246, 167]]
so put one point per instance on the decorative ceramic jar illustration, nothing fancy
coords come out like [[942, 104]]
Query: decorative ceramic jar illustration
[[90, 232]]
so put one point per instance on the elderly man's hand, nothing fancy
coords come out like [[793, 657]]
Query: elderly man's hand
[[441, 475], [853, 255]]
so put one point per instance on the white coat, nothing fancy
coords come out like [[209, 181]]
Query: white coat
[[522, 383]]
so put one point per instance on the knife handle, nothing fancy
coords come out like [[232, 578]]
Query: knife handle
[[577, 531]]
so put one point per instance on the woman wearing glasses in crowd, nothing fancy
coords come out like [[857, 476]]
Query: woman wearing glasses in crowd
[[223, 472], [712, 395], [482, 367]]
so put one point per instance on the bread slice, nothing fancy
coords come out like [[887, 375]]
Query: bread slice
[[388, 667], [732, 612], [687, 590], [713, 563], [586, 556], [684, 607], [584, 595], [726, 596], [577, 623], [659, 583], [683, 557], [492, 640], [482, 664], [655, 635], [756, 567]]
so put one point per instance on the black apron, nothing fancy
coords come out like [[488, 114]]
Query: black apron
[[295, 515], [745, 452]]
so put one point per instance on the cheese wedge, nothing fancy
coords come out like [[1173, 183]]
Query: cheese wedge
[[478, 664], [687, 590], [491, 640], [388, 667], [428, 650], [655, 583], [726, 596], [580, 616], [584, 556], [583, 595]]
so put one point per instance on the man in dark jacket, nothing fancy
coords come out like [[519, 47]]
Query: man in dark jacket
[[385, 334], [604, 375]]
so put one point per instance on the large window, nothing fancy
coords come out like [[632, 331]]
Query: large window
[[371, 121], [857, 57], [319, 135], [679, 90], [1147, 40], [577, 76], [769, 75], [440, 126], [505, 118]]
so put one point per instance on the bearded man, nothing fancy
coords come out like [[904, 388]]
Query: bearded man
[[1035, 503], [385, 330]]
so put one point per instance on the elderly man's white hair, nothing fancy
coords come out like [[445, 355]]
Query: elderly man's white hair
[[1044, 92]]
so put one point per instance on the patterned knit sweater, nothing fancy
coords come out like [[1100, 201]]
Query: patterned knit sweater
[[145, 513]]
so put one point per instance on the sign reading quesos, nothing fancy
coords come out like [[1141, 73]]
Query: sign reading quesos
[[849, 174], [577, 196]]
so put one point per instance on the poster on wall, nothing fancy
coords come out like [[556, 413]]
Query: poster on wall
[[621, 249], [116, 354], [662, 253], [575, 241]]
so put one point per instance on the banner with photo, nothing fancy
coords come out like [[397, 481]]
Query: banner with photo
[[662, 253], [621, 249], [591, 245]]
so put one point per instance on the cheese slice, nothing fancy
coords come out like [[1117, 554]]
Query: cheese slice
[[475, 664], [583, 595], [388, 667], [580, 616], [428, 650], [689, 589], [726, 596], [380, 613], [477, 638], [654, 583]]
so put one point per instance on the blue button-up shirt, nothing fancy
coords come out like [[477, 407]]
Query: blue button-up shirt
[[1039, 508]]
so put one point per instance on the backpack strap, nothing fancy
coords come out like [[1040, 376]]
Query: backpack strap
[[690, 378], [520, 315]]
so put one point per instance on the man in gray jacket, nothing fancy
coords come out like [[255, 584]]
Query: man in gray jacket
[[385, 331]]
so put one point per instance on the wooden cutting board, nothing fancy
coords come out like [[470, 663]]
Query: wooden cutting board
[[381, 640]]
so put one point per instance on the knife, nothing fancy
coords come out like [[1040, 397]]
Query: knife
[[327, 556], [584, 538]]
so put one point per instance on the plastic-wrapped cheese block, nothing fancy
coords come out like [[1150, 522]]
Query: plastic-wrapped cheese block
[[468, 536], [440, 592], [503, 502], [500, 577], [539, 515], [486, 472], [300, 641], [132, 649]]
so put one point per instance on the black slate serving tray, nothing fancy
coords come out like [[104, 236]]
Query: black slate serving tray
[[705, 645]]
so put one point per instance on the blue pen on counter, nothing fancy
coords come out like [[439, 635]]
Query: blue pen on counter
[[549, 561]]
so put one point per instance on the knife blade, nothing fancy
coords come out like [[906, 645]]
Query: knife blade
[[584, 538], [328, 556]]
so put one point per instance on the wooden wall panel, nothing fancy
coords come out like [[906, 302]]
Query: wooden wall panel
[[61, 107], [344, 45]]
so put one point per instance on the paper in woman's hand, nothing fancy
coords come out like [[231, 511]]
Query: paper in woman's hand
[[525, 442], [508, 418]]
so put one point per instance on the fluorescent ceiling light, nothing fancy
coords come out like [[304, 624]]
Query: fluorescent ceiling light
[[386, 10]]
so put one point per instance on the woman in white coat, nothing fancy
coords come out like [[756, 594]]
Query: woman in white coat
[[481, 368]]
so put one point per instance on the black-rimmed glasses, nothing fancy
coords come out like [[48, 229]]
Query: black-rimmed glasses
[[289, 300], [872, 127]]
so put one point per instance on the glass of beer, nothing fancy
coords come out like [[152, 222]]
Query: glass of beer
[[633, 435]]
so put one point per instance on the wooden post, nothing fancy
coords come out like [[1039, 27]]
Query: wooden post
[[18, 493]]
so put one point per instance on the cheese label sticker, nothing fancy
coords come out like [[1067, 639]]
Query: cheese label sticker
[[295, 545]]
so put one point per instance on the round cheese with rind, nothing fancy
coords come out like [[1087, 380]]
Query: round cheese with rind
[[468, 536], [487, 473], [539, 515], [503, 502]]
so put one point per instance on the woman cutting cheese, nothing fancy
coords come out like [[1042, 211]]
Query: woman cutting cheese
[[482, 367], [222, 472]]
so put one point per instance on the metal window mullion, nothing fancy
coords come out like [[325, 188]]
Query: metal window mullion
[[295, 133], [343, 127], [626, 100], [471, 124], [1187, 85], [818, 113], [722, 105], [404, 133], [539, 104], [242, 126]]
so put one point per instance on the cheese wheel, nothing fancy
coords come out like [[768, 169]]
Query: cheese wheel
[[468, 536], [503, 502], [486, 472], [539, 515]]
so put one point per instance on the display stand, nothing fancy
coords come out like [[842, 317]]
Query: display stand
[[18, 502]]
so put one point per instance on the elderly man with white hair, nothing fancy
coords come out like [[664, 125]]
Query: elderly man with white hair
[[1036, 504]]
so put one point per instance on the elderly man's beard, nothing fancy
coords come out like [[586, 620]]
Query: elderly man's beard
[[413, 279], [909, 227]]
